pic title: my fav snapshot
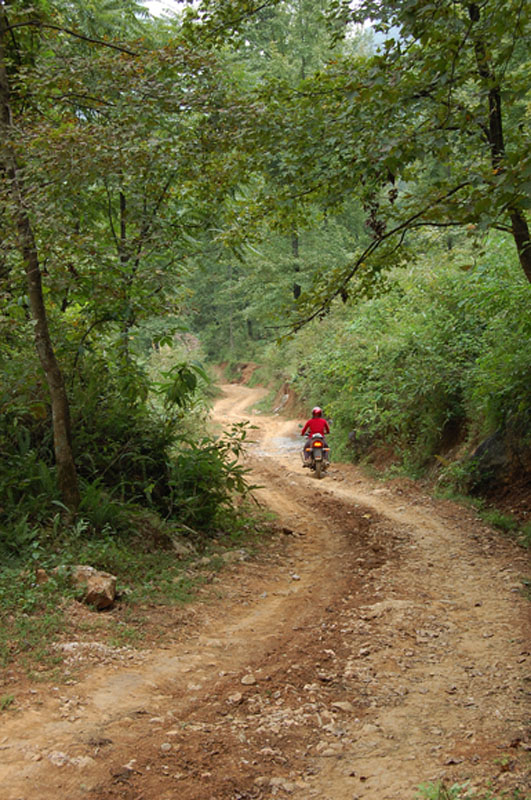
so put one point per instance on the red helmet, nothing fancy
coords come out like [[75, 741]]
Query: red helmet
[[317, 412]]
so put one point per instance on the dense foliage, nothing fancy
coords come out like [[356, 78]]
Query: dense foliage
[[430, 366], [238, 172], [110, 172], [393, 179]]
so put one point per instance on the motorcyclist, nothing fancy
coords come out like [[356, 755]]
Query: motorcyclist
[[316, 424]]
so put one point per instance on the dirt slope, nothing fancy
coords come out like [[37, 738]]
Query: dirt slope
[[378, 642]]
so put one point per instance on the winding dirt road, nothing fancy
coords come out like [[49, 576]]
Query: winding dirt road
[[377, 641]]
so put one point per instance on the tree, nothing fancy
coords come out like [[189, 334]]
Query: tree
[[428, 131], [284, 43], [105, 171], [17, 192]]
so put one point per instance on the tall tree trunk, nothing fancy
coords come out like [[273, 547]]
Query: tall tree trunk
[[231, 314], [522, 238], [296, 263], [519, 224], [127, 276], [66, 469]]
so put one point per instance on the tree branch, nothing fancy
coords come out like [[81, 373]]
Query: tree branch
[[38, 24], [109, 212], [408, 224]]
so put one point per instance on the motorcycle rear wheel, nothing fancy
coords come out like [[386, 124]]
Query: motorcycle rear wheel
[[318, 468]]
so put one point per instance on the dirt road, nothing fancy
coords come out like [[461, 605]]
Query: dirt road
[[377, 642]]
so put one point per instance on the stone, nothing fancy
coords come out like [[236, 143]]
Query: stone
[[99, 588], [182, 549], [343, 705], [282, 783], [248, 680], [41, 576], [327, 749]]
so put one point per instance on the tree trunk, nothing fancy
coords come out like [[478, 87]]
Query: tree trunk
[[522, 238], [296, 264], [231, 314], [66, 470], [519, 225]]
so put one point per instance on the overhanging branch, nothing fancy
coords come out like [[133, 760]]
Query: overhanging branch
[[35, 23], [413, 222]]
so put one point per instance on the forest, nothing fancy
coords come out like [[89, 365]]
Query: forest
[[337, 193], [212, 218]]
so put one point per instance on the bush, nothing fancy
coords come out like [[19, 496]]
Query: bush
[[439, 359], [134, 446]]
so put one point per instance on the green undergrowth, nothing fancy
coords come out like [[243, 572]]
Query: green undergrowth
[[440, 791], [416, 376], [140, 441], [502, 521], [525, 535], [266, 404], [6, 700], [150, 574], [157, 494]]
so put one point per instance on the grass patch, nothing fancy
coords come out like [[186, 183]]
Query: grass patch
[[34, 616], [6, 701], [524, 536], [526, 589], [509, 525], [30, 617], [447, 492], [497, 519], [501, 521], [126, 636], [265, 405], [439, 791]]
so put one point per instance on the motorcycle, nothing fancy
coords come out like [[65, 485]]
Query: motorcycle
[[316, 454]]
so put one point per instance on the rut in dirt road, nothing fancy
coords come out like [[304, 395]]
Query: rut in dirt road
[[377, 642]]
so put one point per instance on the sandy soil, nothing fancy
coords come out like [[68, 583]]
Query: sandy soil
[[379, 640]]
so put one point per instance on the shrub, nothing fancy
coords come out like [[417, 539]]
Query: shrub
[[134, 445], [440, 357]]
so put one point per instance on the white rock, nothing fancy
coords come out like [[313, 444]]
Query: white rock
[[58, 758]]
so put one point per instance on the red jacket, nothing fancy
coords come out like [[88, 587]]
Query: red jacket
[[316, 425]]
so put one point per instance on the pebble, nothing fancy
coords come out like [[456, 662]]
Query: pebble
[[326, 749], [282, 783], [343, 705], [330, 752], [248, 680]]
